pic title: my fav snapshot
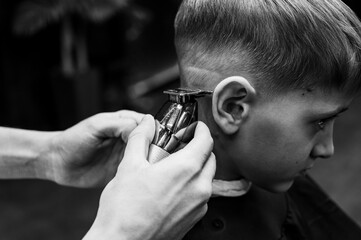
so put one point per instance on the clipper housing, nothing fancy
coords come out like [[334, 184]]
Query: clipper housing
[[174, 120]]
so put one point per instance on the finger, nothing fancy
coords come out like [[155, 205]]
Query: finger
[[200, 147], [126, 122], [194, 155], [139, 140], [202, 142], [113, 124], [201, 213], [185, 135], [127, 126], [209, 170], [137, 117], [189, 133], [109, 127]]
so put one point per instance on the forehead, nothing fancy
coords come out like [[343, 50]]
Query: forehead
[[311, 101]]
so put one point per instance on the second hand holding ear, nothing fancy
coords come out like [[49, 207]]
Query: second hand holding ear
[[159, 201]]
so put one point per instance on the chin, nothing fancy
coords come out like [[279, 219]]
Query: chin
[[280, 187]]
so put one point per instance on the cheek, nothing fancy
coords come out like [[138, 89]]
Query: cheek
[[272, 139], [275, 151]]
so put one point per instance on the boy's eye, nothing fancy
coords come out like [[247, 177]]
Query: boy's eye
[[321, 124]]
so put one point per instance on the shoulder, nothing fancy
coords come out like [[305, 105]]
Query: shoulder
[[322, 217]]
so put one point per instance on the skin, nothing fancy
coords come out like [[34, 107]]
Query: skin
[[140, 200], [157, 201], [85, 155], [283, 138], [277, 139]]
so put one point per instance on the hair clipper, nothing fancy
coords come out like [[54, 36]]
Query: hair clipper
[[175, 122]]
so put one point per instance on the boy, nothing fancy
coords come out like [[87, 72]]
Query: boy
[[281, 71]]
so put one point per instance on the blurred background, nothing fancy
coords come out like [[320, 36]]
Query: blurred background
[[65, 60]]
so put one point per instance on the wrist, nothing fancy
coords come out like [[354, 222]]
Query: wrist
[[96, 232], [46, 157], [21, 151]]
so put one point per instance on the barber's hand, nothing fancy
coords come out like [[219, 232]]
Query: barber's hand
[[88, 154], [160, 201]]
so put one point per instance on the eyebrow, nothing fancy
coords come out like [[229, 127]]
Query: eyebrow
[[332, 113]]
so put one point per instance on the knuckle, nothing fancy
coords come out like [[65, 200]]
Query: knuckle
[[124, 113], [204, 192], [196, 157], [99, 116], [91, 123], [189, 167], [96, 120], [203, 210], [201, 124], [128, 124], [208, 144]]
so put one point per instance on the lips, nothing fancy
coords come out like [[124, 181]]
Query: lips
[[311, 166], [304, 171]]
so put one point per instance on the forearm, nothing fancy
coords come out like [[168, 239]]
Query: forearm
[[22, 153], [109, 234]]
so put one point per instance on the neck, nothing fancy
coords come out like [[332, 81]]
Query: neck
[[226, 169]]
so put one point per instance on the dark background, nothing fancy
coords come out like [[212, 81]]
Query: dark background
[[130, 50]]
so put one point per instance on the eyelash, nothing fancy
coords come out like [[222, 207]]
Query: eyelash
[[323, 122]]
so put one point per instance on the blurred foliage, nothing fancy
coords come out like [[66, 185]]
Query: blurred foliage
[[33, 15], [52, 49]]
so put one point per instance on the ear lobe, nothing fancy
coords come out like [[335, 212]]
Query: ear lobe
[[231, 102]]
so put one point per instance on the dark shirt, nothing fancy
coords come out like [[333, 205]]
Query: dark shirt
[[305, 212]]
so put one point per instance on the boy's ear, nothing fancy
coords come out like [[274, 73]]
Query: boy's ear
[[231, 102]]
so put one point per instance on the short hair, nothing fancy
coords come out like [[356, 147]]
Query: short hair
[[288, 44]]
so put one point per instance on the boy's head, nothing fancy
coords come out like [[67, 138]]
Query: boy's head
[[280, 71]]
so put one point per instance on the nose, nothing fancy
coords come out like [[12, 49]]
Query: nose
[[324, 148]]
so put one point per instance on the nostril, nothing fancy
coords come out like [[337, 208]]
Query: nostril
[[322, 151]]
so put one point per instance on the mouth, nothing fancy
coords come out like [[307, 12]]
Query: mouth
[[304, 171]]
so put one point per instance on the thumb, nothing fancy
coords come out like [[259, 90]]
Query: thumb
[[139, 139]]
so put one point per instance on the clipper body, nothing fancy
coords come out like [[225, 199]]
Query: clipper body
[[174, 120]]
